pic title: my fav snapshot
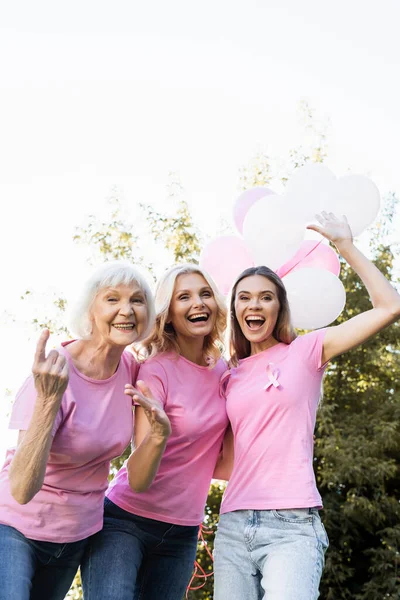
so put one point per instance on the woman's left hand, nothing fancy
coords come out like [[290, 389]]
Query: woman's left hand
[[157, 417], [332, 228]]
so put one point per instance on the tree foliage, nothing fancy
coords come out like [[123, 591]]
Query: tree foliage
[[176, 231], [357, 458], [113, 239]]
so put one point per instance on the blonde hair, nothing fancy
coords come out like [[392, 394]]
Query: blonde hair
[[163, 337], [283, 331]]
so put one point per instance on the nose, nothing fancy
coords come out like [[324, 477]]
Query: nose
[[254, 303], [198, 301], [126, 308]]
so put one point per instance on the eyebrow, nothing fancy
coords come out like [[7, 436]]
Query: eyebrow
[[203, 289], [111, 290], [263, 292]]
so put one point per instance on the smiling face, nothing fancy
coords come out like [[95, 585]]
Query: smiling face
[[119, 315], [193, 309], [257, 309]]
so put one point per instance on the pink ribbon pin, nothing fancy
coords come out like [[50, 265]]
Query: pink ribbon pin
[[272, 377]]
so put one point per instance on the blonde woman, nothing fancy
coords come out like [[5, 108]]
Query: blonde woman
[[148, 543]]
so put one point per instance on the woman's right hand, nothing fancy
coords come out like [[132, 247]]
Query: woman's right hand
[[50, 373], [160, 426]]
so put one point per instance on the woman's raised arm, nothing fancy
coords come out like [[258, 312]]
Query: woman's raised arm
[[28, 466], [384, 298]]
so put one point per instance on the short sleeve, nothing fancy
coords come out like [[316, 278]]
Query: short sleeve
[[24, 405], [224, 381], [155, 376], [310, 347]]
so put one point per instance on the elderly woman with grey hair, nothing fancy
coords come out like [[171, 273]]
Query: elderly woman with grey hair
[[73, 417]]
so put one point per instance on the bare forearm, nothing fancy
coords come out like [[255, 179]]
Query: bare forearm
[[381, 292], [143, 463], [28, 467]]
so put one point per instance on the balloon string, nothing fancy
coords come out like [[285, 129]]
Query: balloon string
[[282, 271], [198, 569]]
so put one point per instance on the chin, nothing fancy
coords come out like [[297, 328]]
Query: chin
[[126, 342]]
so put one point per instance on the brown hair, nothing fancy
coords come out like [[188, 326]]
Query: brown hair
[[163, 337], [283, 330]]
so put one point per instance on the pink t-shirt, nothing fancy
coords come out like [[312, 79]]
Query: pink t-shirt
[[94, 425], [192, 400], [272, 399]]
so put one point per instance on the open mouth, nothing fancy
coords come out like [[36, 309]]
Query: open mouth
[[199, 318], [255, 322], [124, 326]]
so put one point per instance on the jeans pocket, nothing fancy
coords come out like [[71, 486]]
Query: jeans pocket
[[293, 515], [321, 531]]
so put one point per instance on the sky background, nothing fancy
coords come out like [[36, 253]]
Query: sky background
[[98, 96]]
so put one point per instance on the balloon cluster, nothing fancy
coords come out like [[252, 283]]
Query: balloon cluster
[[272, 229]]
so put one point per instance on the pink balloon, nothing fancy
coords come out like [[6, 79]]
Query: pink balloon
[[244, 201], [225, 257], [312, 254]]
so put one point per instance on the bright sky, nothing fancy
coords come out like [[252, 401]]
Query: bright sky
[[96, 94]]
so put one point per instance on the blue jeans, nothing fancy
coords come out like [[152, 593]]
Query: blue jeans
[[32, 570], [269, 554], [135, 558]]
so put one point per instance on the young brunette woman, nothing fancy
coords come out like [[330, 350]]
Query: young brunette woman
[[270, 542], [147, 547]]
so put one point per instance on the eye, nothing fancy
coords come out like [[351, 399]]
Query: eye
[[267, 298], [138, 300], [112, 299], [207, 294], [183, 297], [243, 297]]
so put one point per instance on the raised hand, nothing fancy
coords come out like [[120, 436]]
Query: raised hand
[[332, 228], [50, 373], [159, 422]]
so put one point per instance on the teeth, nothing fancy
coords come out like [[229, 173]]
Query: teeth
[[122, 326], [255, 321], [199, 316]]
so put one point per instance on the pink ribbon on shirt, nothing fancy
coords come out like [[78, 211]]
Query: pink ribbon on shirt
[[273, 375]]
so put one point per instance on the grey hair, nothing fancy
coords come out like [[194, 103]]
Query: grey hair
[[109, 274]]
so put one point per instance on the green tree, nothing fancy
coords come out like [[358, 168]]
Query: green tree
[[264, 170], [113, 239], [177, 232], [358, 451]]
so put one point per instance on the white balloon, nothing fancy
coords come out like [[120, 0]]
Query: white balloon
[[355, 196], [272, 232], [314, 235], [307, 188], [316, 297]]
